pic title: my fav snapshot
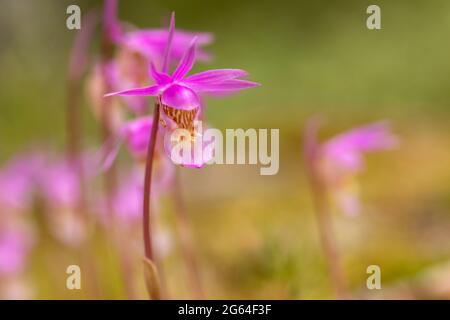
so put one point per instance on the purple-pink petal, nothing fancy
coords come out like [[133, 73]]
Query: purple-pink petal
[[180, 97], [145, 91], [168, 48], [152, 43], [137, 135], [214, 76], [194, 153], [14, 248], [227, 86], [159, 77], [346, 150], [186, 62], [112, 24]]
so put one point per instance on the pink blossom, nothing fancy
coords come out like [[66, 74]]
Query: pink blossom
[[17, 182], [178, 94], [151, 43], [59, 184], [339, 159], [344, 152], [14, 249]]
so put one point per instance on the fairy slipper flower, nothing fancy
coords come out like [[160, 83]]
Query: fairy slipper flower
[[151, 43], [136, 51], [341, 158], [14, 249], [16, 243], [179, 96], [134, 134], [17, 183], [138, 48], [15, 191], [60, 190]]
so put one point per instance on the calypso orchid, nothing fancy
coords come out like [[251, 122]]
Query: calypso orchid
[[137, 49], [151, 43], [179, 96], [341, 158]]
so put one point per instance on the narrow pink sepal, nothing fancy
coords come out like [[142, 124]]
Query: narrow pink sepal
[[145, 91], [214, 76], [222, 87], [186, 62]]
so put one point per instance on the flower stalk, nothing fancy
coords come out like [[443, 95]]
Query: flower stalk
[[146, 225], [74, 125], [148, 245], [322, 209]]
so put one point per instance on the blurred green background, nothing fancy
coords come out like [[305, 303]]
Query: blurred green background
[[257, 235]]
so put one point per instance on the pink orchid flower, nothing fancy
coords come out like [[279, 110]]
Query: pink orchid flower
[[179, 95], [14, 248], [151, 43], [345, 151], [342, 157], [135, 135], [60, 190], [17, 182], [136, 49], [182, 93], [59, 185]]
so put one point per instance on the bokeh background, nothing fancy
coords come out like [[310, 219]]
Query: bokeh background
[[256, 236]]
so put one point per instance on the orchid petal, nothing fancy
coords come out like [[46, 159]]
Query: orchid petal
[[152, 43], [187, 152], [227, 86], [214, 76], [168, 47], [145, 91], [159, 77], [104, 158], [136, 135], [112, 25], [347, 198], [375, 136], [186, 62], [180, 97]]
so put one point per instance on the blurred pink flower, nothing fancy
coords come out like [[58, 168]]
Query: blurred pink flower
[[14, 249], [136, 135], [342, 157], [127, 201], [17, 182], [101, 77], [60, 190], [59, 184], [15, 191], [344, 152], [151, 43]]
